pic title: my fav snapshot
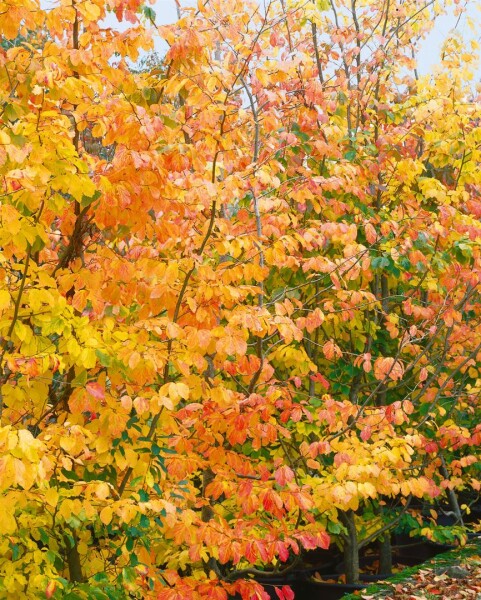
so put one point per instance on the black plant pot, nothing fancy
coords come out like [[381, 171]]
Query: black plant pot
[[446, 520], [321, 560], [367, 562], [413, 551]]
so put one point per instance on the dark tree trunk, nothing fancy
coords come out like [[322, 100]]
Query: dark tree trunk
[[73, 559], [385, 555], [351, 549]]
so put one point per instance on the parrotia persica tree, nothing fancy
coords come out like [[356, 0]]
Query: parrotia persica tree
[[239, 291]]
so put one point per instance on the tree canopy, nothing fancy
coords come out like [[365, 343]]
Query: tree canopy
[[239, 289]]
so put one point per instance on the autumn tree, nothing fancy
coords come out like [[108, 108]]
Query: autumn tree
[[239, 290]]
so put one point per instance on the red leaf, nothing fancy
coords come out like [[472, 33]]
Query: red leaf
[[284, 593], [320, 379], [366, 433]]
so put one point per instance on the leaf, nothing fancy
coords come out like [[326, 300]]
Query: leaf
[[388, 367], [284, 593], [371, 235], [283, 475], [86, 201], [106, 515], [366, 433], [96, 390], [8, 525], [331, 350], [4, 299], [380, 262], [149, 13], [317, 377], [50, 589], [51, 497]]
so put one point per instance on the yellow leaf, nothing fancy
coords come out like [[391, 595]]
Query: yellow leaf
[[82, 548], [165, 401], [21, 331], [51, 497], [102, 491], [4, 299], [102, 444], [8, 525], [182, 390], [262, 76], [88, 358], [106, 515]]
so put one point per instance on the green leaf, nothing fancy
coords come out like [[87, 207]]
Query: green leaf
[[87, 200], [128, 575], [37, 245], [169, 122], [405, 263], [380, 262], [18, 139], [333, 528], [43, 536], [10, 112], [150, 94], [136, 481], [16, 551], [149, 13], [296, 130], [143, 496], [104, 359], [80, 380]]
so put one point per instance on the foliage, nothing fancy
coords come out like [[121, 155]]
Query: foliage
[[239, 290]]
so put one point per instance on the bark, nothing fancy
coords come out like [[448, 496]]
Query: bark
[[351, 548], [207, 512], [385, 549], [73, 560], [453, 499], [385, 554]]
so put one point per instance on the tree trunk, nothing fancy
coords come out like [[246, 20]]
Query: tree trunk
[[385, 554], [453, 499], [207, 512], [73, 559], [351, 549]]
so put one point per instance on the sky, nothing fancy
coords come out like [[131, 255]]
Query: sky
[[166, 13]]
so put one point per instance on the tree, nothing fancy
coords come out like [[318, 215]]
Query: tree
[[239, 291]]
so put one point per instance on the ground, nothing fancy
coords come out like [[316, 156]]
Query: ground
[[455, 575]]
